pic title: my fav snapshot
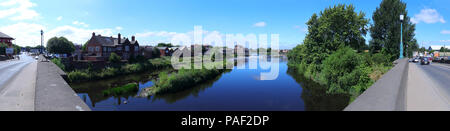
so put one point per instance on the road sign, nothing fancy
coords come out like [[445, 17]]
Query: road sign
[[9, 51]]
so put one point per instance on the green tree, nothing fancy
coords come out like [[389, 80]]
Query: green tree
[[336, 27], [444, 49], [165, 45], [156, 53], [385, 30], [3, 47], [60, 45], [114, 58]]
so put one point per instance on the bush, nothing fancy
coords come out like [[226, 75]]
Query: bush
[[58, 62], [344, 71], [114, 58], [77, 76]]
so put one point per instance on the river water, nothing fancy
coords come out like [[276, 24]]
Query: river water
[[238, 90]]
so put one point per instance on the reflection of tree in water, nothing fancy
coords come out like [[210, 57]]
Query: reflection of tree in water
[[315, 97], [174, 97], [95, 89]]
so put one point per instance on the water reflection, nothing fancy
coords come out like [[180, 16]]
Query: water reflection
[[315, 97], [236, 90], [174, 97]]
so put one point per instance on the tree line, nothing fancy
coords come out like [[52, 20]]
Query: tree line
[[334, 52]]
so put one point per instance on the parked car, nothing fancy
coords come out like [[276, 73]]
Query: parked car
[[416, 60], [425, 61]]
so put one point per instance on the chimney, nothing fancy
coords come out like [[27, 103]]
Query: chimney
[[133, 38], [93, 33], [119, 38]]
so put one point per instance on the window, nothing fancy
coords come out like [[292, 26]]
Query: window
[[119, 48], [136, 48], [104, 49], [97, 48], [91, 49], [127, 48]]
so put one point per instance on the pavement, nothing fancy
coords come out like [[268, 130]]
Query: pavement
[[30, 85], [53, 93], [428, 87], [18, 92]]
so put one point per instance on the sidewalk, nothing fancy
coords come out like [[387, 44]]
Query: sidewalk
[[19, 94], [422, 93]]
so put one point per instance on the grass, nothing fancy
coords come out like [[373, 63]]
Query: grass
[[183, 79], [109, 72], [130, 88]]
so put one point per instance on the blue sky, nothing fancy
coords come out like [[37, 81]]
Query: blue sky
[[154, 21]]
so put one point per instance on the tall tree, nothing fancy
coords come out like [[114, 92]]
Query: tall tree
[[385, 30], [60, 45], [336, 27]]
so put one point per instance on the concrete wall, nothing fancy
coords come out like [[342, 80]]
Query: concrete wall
[[52, 91], [387, 94]]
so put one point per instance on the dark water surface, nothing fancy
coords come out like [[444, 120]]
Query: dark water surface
[[238, 90]]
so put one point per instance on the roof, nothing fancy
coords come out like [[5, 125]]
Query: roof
[[3, 35], [110, 41]]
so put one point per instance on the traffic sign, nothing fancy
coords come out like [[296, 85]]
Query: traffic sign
[[9, 51]]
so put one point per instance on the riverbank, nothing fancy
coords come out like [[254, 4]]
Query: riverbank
[[89, 74]]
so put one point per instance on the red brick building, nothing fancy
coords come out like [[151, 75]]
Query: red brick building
[[6, 39], [99, 48]]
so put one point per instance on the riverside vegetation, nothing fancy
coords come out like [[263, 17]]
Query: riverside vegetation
[[117, 69], [334, 52]]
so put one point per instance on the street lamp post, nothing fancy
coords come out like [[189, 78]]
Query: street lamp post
[[42, 41], [401, 36]]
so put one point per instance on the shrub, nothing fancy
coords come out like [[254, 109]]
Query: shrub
[[58, 62], [344, 71], [114, 58], [76, 76]]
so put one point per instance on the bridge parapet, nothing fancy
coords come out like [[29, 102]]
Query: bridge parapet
[[387, 94]]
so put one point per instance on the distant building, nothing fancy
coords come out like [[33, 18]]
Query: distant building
[[99, 47], [6, 39], [147, 51]]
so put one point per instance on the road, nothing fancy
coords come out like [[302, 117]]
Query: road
[[428, 87], [17, 84], [10, 68]]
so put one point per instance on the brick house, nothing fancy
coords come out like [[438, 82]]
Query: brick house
[[99, 48], [6, 39]]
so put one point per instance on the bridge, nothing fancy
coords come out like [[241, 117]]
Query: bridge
[[408, 87]]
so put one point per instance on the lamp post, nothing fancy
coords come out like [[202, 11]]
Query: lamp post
[[402, 17], [42, 40]]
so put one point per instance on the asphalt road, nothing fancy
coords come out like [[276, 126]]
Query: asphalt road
[[440, 76], [10, 68], [428, 87]]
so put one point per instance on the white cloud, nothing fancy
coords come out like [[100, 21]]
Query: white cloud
[[428, 16], [119, 28], [25, 34], [18, 10], [155, 37], [59, 18], [80, 23], [445, 32], [77, 35], [260, 24], [28, 34]]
